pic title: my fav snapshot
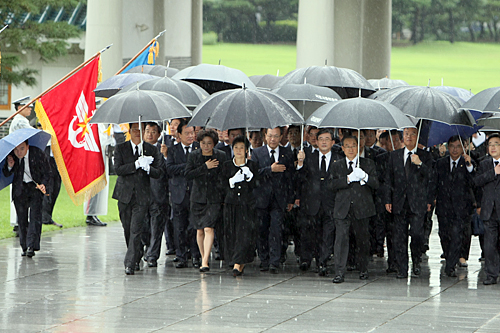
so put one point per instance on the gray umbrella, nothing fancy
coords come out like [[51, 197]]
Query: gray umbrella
[[156, 70], [214, 78], [486, 100], [115, 83], [245, 108], [188, 93], [267, 81], [386, 83], [346, 82], [149, 105], [490, 124]]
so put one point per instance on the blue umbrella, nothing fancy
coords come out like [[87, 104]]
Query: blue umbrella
[[35, 138]]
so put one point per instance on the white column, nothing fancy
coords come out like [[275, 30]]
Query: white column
[[178, 35], [315, 33], [159, 25], [377, 31], [104, 27], [348, 34], [196, 32]]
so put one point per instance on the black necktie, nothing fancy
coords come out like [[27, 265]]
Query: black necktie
[[136, 152], [408, 164], [323, 165], [350, 166], [454, 168], [295, 153], [187, 151], [21, 168], [273, 160], [496, 163]]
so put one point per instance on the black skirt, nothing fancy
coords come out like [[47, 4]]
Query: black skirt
[[205, 215], [240, 233]]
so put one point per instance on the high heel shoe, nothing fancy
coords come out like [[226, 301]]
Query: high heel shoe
[[237, 272], [204, 269]]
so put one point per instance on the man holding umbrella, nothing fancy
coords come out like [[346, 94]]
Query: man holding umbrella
[[135, 163]]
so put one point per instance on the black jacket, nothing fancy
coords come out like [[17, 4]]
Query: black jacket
[[243, 192], [176, 164], [489, 182]]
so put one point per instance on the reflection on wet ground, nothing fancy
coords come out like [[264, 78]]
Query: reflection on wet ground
[[76, 283]]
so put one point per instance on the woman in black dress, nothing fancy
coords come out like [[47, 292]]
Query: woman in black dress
[[240, 224], [203, 167]]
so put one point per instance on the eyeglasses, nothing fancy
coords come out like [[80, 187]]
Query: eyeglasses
[[410, 134], [350, 147], [494, 145], [276, 136]]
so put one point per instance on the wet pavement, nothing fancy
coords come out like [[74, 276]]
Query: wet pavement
[[76, 283]]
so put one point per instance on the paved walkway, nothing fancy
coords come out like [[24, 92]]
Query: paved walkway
[[76, 283]]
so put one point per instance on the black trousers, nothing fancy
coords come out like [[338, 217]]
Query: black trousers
[[451, 236], [184, 235], [49, 201], [169, 230], [415, 222], [361, 232], [291, 229], [491, 250], [30, 200], [270, 233], [318, 236], [132, 216], [156, 218]]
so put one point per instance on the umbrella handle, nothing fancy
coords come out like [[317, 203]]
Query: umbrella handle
[[359, 131], [140, 129], [392, 142]]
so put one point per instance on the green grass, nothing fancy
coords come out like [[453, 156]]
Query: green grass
[[65, 211], [472, 66]]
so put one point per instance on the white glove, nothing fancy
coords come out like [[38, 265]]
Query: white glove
[[352, 177], [237, 178], [146, 168], [143, 161], [247, 173], [360, 173]]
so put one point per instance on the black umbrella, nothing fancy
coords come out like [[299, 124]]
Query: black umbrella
[[486, 100], [214, 78], [115, 83], [386, 83], [267, 81], [346, 82], [149, 105], [188, 93], [156, 70], [245, 108]]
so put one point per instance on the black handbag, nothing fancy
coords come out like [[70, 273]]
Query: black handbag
[[477, 225]]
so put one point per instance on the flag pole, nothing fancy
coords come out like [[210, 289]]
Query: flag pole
[[6, 26], [140, 52], [56, 84]]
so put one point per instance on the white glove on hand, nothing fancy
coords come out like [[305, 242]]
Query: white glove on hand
[[247, 173], [359, 173], [237, 178], [146, 168], [353, 177]]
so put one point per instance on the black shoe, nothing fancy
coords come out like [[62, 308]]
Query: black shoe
[[204, 269], [129, 271], [137, 267], [304, 266], [152, 263], [176, 259], [442, 256], [363, 276], [181, 264], [425, 248], [391, 270], [52, 222], [16, 230], [170, 252], [30, 252], [338, 279], [402, 276], [237, 272], [416, 268], [264, 268], [323, 271], [196, 263], [23, 254], [462, 264], [273, 269], [490, 281], [94, 221], [452, 273]]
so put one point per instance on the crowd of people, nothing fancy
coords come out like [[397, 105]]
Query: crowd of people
[[339, 195]]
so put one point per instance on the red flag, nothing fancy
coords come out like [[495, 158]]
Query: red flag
[[65, 112]]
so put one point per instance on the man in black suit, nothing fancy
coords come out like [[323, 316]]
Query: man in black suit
[[354, 206], [408, 196], [180, 190], [32, 172], [227, 148], [371, 142], [488, 179], [135, 163], [454, 201], [159, 209], [256, 140], [275, 195], [317, 202]]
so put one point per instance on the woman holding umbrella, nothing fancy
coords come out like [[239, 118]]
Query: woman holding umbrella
[[240, 228], [207, 194]]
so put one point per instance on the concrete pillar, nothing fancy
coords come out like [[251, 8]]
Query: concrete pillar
[[377, 31], [315, 33], [104, 27], [348, 35], [159, 25], [196, 32], [178, 35]]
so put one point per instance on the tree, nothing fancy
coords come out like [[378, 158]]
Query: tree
[[46, 39]]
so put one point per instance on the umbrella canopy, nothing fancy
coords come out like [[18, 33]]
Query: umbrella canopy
[[245, 108], [427, 103], [386, 83], [115, 83], [492, 123], [346, 82], [486, 100], [188, 93], [150, 105], [359, 113], [35, 138], [307, 98], [156, 70], [267, 81], [463, 95], [214, 78]]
